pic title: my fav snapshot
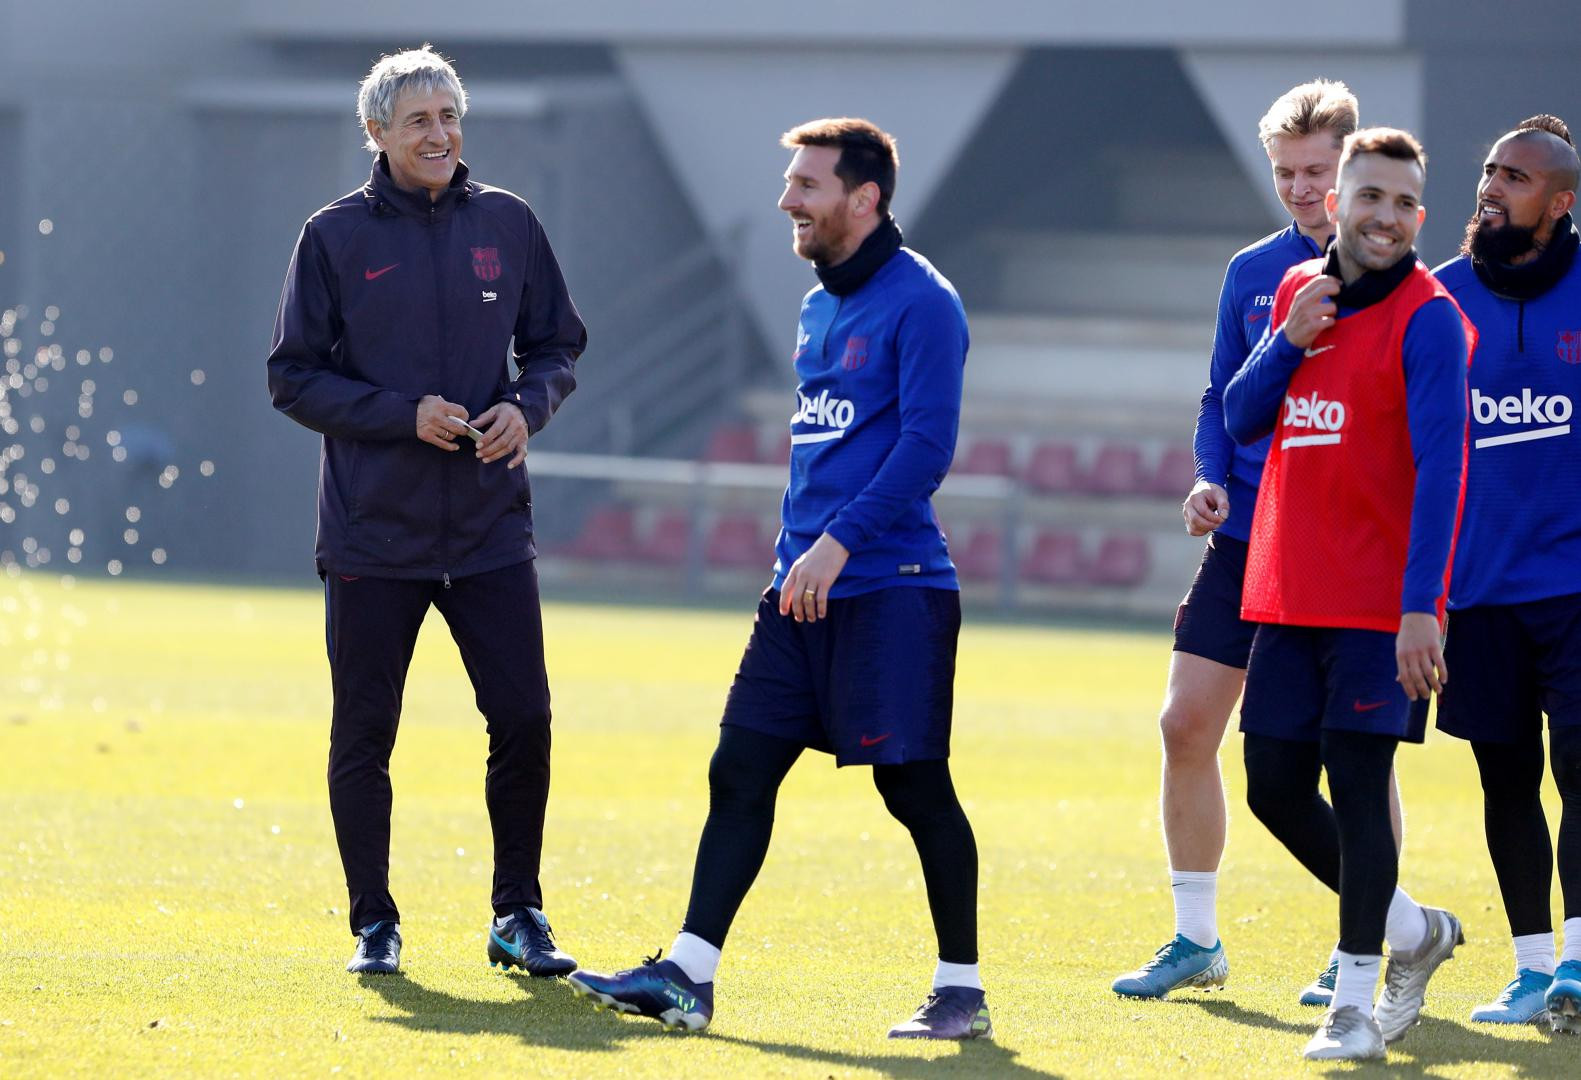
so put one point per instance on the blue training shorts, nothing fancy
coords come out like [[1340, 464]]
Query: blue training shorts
[[1208, 622], [1508, 665], [1305, 680], [873, 683]]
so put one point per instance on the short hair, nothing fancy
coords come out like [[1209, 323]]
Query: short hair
[[1549, 123], [1390, 142], [420, 71], [867, 152], [1319, 105], [1563, 166]]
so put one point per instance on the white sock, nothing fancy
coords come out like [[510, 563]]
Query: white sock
[[1535, 952], [1333, 956], [698, 959], [1357, 981], [1406, 927], [947, 974], [1572, 950], [1196, 895]]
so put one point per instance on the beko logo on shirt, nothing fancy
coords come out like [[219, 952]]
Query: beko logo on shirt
[[1551, 410], [823, 411], [1312, 413]]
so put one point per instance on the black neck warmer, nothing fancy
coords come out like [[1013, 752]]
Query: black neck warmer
[[1530, 280], [849, 276], [1373, 285]]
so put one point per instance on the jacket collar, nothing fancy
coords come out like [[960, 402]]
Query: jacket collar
[[874, 252], [1373, 285], [383, 197], [1530, 280]]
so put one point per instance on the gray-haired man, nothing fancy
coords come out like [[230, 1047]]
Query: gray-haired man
[[402, 300]]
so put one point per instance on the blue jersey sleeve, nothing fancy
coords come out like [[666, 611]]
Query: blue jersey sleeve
[[930, 343], [1211, 443], [1254, 395], [1434, 358]]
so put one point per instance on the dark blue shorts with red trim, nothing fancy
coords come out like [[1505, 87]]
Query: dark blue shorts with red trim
[[1208, 622], [1305, 680], [873, 683]]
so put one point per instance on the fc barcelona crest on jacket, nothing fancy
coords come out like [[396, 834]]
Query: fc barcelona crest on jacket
[[1568, 346], [486, 263]]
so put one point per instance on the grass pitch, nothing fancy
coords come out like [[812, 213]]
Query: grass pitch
[[171, 900]]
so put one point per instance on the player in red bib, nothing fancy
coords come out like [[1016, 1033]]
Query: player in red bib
[[1361, 378]]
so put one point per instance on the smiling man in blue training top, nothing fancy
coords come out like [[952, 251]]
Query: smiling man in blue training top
[[853, 651]]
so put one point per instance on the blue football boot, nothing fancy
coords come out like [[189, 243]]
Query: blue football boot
[[659, 988], [1521, 1002], [1564, 999], [1182, 962], [378, 949], [951, 1012], [1320, 991], [523, 939]]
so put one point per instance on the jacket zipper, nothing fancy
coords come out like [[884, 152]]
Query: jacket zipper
[[444, 382], [823, 348]]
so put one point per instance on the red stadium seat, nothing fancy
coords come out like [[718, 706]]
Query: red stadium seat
[[608, 534], [982, 557], [781, 452], [987, 457], [732, 443], [1117, 470], [1123, 559], [668, 541], [738, 542], [1177, 471], [1055, 559], [1053, 468]]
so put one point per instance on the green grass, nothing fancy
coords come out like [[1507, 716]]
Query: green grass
[[171, 900]]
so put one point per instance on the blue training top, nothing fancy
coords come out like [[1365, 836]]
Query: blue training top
[[1244, 303], [878, 406], [1520, 532]]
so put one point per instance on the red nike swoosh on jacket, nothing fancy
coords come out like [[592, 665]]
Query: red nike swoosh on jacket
[[369, 275]]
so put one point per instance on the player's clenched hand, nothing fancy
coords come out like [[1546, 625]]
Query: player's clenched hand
[[433, 412], [1312, 311], [504, 432], [1206, 508], [805, 593], [1419, 651]]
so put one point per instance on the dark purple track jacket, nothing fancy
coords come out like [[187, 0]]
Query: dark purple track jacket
[[391, 297]]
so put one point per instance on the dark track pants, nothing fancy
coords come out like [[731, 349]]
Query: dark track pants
[[371, 625]]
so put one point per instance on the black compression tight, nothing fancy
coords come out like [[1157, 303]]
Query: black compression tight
[[1350, 846], [1517, 829], [743, 780], [1564, 747]]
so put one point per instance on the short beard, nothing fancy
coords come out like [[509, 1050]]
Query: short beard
[[835, 228], [1498, 245]]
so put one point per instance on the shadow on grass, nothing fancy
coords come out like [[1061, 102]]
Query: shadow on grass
[[558, 1020], [566, 1023], [977, 1057], [1426, 1049], [1224, 1009], [1435, 1043]]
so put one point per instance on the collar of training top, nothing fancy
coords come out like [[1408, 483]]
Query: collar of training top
[[1530, 280], [382, 192], [1373, 285], [849, 276]]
